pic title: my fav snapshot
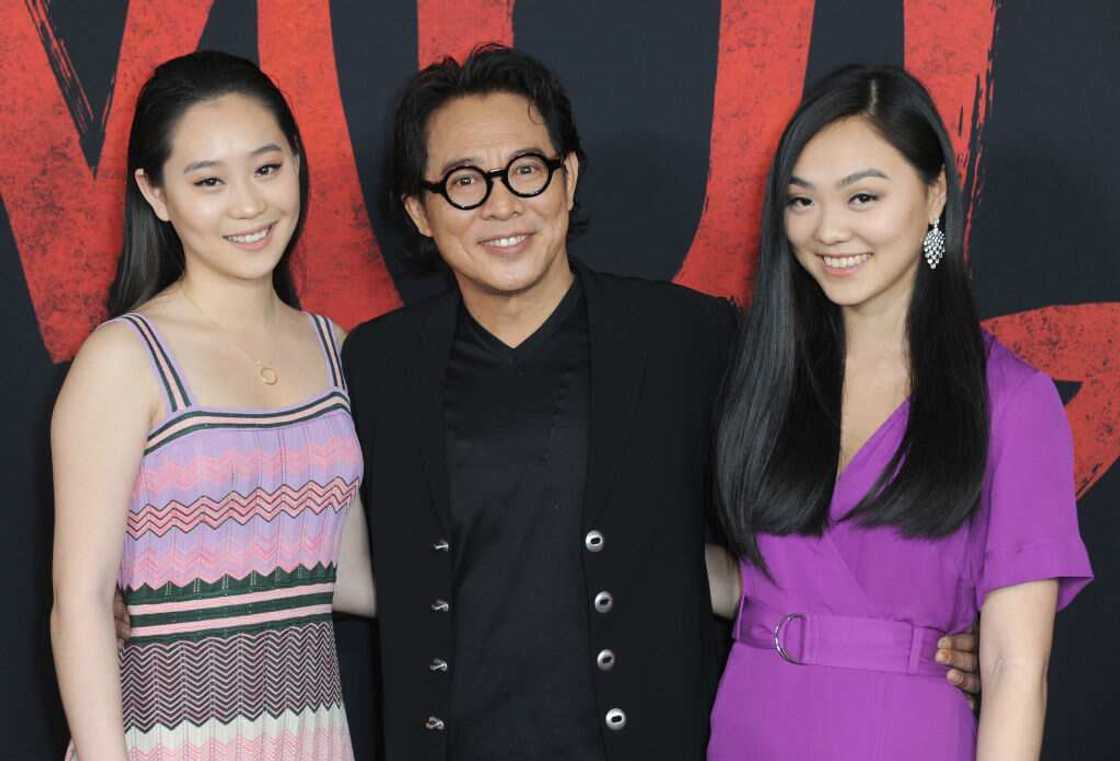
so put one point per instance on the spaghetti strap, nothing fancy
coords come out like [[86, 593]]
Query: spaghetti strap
[[330, 350], [166, 369]]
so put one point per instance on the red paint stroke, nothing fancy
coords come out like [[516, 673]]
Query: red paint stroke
[[1076, 343], [763, 50], [66, 222], [59, 56], [338, 267], [454, 27], [948, 45]]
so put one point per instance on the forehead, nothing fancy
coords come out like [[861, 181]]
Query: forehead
[[485, 128], [223, 128], [847, 146]]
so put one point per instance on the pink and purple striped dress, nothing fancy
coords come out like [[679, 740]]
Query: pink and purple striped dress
[[228, 573]]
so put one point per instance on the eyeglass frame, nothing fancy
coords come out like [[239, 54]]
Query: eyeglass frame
[[441, 186]]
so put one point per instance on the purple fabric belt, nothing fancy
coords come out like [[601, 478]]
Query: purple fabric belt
[[871, 644]]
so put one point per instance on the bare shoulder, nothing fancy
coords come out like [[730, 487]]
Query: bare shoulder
[[111, 369]]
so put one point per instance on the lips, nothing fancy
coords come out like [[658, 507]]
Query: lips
[[506, 241], [843, 263], [252, 240]]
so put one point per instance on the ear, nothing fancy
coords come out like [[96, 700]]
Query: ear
[[153, 194], [418, 214], [571, 178], [936, 196]]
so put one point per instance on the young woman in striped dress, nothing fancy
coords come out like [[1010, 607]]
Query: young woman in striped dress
[[205, 460]]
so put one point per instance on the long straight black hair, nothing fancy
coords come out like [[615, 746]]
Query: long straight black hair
[[778, 440], [152, 254]]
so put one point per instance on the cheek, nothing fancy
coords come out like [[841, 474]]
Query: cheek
[[193, 213]]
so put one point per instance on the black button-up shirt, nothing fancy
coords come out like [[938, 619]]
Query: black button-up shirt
[[516, 439]]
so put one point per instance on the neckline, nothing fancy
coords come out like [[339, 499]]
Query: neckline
[[564, 310], [257, 413], [871, 441], [192, 398]]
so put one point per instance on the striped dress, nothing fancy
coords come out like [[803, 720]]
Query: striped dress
[[228, 572]]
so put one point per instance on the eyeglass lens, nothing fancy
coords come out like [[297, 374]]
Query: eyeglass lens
[[525, 176]]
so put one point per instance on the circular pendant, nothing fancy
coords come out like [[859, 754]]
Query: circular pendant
[[268, 375]]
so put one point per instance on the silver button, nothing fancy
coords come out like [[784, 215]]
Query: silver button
[[616, 719], [441, 606], [594, 541], [437, 664], [441, 546], [436, 724], [605, 660], [604, 602]]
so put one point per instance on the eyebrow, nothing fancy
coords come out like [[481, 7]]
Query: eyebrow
[[845, 181], [475, 161], [207, 163]]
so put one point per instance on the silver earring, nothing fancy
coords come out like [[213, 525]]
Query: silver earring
[[933, 246]]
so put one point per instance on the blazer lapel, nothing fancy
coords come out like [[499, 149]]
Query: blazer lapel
[[436, 335], [618, 364]]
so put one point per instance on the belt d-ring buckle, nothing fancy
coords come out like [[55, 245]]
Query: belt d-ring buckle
[[779, 630]]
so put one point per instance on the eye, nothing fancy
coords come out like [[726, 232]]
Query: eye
[[207, 182], [797, 203], [268, 169], [862, 199], [462, 180]]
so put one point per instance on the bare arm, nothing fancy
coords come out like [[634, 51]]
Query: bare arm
[[97, 439], [724, 583], [1016, 631], [354, 591]]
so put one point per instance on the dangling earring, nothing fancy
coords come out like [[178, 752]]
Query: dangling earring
[[933, 246]]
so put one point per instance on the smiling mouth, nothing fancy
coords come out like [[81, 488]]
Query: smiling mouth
[[254, 237], [844, 262], [508, 241]]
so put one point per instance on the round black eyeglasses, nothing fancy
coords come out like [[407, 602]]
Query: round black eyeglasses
[[468, 187]]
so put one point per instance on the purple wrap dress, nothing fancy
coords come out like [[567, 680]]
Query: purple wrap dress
[[833, 659]]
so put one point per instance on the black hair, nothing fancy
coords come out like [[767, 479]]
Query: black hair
[[490, 68], [778, 441], [152, 254]]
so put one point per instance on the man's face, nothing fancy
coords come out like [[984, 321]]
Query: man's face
[[509, 246]]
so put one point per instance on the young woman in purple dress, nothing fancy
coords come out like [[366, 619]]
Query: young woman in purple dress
[[887, 470]]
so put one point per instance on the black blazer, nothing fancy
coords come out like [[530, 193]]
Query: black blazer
[[657, 356]]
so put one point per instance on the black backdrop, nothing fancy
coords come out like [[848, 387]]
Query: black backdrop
[[679, 102]]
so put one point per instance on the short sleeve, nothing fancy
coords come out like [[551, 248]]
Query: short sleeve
[[1032, 509]]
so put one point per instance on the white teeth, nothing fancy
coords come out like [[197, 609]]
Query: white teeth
[[506, 242], [250, 238], [845, 262]]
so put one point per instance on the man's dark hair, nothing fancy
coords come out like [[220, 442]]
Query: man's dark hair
[[490, 68]]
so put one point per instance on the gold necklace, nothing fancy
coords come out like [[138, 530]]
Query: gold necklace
[[265, 371]]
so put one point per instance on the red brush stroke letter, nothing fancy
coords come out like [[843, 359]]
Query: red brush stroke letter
[[1076, 343], [949, 47], [763, 50], [337, 267], [66, 222], [453, 27]]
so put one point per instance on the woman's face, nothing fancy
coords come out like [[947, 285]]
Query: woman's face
[[230, 188], [856, 214]]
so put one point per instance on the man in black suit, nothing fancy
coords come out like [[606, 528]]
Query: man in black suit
[[537, 453]]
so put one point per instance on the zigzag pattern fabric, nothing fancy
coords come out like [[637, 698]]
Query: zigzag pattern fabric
[[228, 573]]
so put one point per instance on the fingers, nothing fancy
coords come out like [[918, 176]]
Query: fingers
[[959, 652], [969, 683], [956, 659], [967, 642], [121, 620]]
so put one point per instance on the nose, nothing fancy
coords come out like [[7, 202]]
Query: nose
[[246, 200], [502, 203], [832, 226]]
